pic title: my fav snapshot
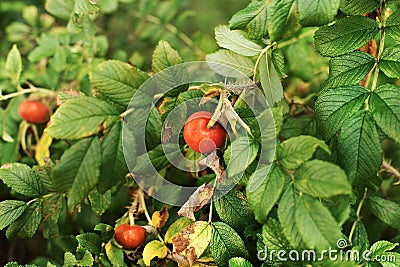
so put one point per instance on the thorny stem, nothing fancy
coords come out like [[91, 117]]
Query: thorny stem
[[358, 212], [381, 46]]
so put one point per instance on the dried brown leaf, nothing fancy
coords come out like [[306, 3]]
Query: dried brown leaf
[[196, 201]]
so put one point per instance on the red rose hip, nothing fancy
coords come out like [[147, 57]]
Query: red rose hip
[[130, 236], [198, 137], [33, 111]]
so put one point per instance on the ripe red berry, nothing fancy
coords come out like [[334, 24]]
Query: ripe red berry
[[33, 111], [198, 137], [130, 236]]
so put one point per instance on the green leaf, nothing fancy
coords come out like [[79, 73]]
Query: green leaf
[[28, 222], [297, 150], [236, 42], [389, 61], [360, 237], [85, 7], [108, 6], [264, 198], [115, 255], [113, 165], [230, 64], [253, 18], [270, 81], [282, 19], [154, 128], [85, 260], [10, 210], [385, 109], [47, 46], [392, 27], [90, 242], [272, 236], [359, 149], [317, 12], [59, 8], [176, 227], [14, 64], [340, 207], [77, 172], [239, 262], [226, 244], [154, 249], [299, 61], [286, 214], [380, 247], [330, 115], [106, 231], [156, 159], [244, 151], [387, 211], [349, 69], [346, 35], [164, 56], [100, 202], [322, 179], [59, 61], [243, 17], [54, 209], [232, 206], [117, 81], [80, 117], [317, 227], [359, 7], [21, 179]]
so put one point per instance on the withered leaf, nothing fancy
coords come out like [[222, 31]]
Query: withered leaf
[[212, 162], [196, 201], [191, 242]]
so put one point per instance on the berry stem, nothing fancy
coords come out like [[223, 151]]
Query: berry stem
[[358, 213]]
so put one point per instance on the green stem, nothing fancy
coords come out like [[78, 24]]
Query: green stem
[[381, 46], [26, 91], [217, 111], [131, 218], [297, 38], [264, 51], [171, 28], [358, 213], [210, 213]]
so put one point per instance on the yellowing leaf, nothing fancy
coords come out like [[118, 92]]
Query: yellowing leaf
[[159, 218], [42, 148], [154, 249], [191, 242], [175, 228]]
